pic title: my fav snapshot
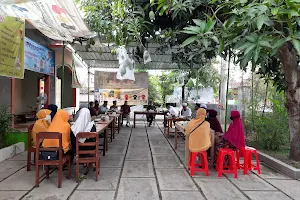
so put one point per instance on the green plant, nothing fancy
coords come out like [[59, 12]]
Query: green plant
[[5, 122]]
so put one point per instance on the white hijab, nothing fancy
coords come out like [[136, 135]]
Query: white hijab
[[83, 123]]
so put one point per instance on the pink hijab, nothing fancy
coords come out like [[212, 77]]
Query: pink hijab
[[235, 134]]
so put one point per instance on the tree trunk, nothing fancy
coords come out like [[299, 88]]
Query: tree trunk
[[266, 98], [292, 80]]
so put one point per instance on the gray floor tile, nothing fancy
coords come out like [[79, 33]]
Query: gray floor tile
[[12, 195], [266, 195], [138, 154], [22, 180], [117, 150], [138, 169], [48, 190], [138, 189], [181, 195], [93, 195], [174, 179], [108, 179], [9, 167], [290, 187], [268, 173], [21, 156], [219, 189], [250, 182], [112, 160], [166, 161]]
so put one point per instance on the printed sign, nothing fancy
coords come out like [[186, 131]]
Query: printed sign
[[39, 58], [107, 80], [12, 47]]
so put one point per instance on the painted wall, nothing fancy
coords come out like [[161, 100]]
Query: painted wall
[[5, 91], [26, 92]]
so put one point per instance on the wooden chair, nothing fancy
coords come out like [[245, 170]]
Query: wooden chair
[[60, 162], [30, 148], [94, 153]]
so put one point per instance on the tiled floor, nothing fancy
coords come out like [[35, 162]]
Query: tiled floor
[[141, 164]]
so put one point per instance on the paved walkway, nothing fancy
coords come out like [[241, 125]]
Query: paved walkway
[[141, 164]]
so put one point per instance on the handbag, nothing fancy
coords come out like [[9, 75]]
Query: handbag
[[48, 155]]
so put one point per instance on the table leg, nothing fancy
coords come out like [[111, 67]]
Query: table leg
[[114, 128], [106, 139], [119, 123], [134, 120], [168, 124], [176, 137]]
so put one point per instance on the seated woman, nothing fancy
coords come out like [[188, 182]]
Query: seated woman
[[214, 122], [197, 134], [53, 109], [84, 123], [42, 124], [60, 124], [234, 138]]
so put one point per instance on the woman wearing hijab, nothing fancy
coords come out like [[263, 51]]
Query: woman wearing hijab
[[197, 134], [83, 123], [60, 124], [53, 109], [42, 124], [234, 138], [214, 122]]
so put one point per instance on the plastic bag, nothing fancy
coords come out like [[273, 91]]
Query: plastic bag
[[147, 57], [126, 65]]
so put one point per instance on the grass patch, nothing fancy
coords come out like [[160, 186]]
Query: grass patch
[[15, 137]]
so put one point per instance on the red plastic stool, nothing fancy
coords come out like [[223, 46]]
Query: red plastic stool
[[250, 151], [240, 165], [232, 163], [247, 165], [202, 167]]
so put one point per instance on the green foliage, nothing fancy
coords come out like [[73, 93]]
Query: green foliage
[[166, 85], [272, 128], [115, 21], [5, 122], [154, 92], [15, 137]]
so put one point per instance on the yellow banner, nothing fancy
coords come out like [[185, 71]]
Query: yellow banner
[[12, 32]]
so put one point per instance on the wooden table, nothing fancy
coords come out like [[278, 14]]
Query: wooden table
[[170, 121], [146, 113], [111, 122], [180, 131], [117, 119], [103, 128]]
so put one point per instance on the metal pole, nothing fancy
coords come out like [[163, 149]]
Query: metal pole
[[226, 111], [197, 85], [88, 84], [63, 75]]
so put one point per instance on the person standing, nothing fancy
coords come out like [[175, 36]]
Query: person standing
[[126, 113]]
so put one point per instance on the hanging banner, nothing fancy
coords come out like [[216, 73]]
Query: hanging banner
[[75, 81], [57, 19], [39, 58], [132, 96], [14, 1], [12, 46], [126, 65], [107, 80]]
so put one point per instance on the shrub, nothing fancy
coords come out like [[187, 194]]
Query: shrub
[[271, 128], [5, 122]]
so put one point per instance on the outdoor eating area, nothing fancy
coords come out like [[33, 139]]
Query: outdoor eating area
[[137, 162]]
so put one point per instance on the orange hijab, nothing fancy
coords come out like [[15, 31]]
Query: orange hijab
[[41, 125], [60, 124], [199, 139]]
